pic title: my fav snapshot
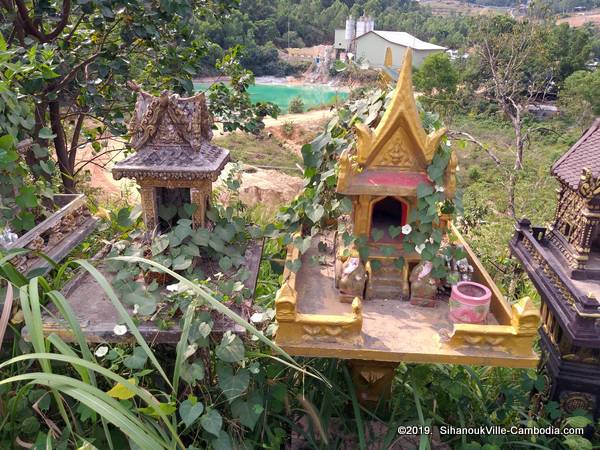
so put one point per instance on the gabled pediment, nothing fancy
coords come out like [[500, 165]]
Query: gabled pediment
[[399, 141], [170, 120]]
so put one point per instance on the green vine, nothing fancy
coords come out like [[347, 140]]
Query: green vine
[[319, 206]]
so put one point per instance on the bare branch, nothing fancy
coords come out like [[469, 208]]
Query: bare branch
[[457, 135]]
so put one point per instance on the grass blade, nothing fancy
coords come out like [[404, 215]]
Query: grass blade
[[360, 428], [149, 399], [207, 296], [98, 401], [5, 317], [103, 282]]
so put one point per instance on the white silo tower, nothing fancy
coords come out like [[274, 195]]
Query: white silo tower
[[361, 26], [350, 29], [370, 24], [350, 34]]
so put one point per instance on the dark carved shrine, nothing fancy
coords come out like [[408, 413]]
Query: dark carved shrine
[[175, 163], [563, 262]]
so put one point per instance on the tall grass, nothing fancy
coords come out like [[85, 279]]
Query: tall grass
[[157, 432]]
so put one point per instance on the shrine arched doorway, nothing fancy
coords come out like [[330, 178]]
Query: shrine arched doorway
[[385, 213]]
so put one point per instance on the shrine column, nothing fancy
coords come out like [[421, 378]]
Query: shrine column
[[372, 380], [149, 206], [200, 196]]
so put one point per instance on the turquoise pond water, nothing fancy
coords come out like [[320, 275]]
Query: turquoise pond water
[[281, 94]]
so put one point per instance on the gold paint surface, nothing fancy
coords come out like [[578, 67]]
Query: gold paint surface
[[392, 330]]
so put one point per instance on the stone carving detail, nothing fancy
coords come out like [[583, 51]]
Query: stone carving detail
[[351, 276], [589, 186], [189, 120], [396, 154], [571, 401]]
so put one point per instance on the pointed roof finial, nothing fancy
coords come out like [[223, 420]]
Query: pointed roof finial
[[401, 116]]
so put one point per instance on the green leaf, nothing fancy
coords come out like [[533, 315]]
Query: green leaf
[[167, 212], [191, 250], [294, 266], [232, 385], [377, 234], [223, 442], [6, 141], [46, 133], [159, 244], [27, 197], [123, 219], [315, 213], [190, 410], [227, 232], [394, 231], [201, 237], [146, 303], [303, 244], [231, 348], [248, 412], [182, 262], [423, 190], [192, 372], [137, 360], [577, 422], [575, 442], [189, 209], [225, 263], [212, 421]]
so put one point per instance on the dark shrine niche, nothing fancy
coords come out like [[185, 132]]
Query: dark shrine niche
[[169, 200], [387, 212]]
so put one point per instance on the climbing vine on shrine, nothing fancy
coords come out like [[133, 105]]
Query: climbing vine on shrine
[[319, 206]]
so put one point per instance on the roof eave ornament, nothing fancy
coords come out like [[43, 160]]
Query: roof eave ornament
[[589, 186]]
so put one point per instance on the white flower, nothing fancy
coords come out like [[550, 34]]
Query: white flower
[[101, 351], [136, 308], [419, 248], [258, 317], [120, 330], [439, 188], [406, 229], [458, 168], [173, 287]]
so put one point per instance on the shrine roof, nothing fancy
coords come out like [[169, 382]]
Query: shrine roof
[[386, 182], [174, 162], [171, 136], [584, 154], [392, 158]]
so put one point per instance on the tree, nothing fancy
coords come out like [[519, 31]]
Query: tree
[[437, 78], [580, 96], [515, 71], [89, 51]]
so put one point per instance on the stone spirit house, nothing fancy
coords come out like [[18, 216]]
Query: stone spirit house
[[175, 163]]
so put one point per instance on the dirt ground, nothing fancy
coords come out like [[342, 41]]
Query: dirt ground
[[580, 19]]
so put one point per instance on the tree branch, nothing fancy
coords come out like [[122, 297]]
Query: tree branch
[[463, 135], [33, 30]]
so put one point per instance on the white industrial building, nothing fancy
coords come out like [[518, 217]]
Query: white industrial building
[[370, 46]]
